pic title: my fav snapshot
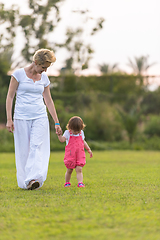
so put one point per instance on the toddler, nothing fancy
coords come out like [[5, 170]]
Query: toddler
[[74, 150]]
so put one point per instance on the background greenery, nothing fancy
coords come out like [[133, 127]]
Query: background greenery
[[116, 110]]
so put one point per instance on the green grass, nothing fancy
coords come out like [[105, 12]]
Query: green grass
[[121, 200]]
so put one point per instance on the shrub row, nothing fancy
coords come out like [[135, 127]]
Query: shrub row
[[7, 143]]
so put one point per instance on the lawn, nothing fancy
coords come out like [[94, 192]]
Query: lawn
[[121, 200]]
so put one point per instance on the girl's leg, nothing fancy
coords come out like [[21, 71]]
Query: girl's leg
[[79, 174], [68, 174]]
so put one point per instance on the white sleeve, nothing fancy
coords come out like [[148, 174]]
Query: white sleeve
[[66, 134], [47, 81], [83, 137], [16, 74]]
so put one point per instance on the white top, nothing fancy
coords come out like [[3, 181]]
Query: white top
[[29, 96], [67, 135]]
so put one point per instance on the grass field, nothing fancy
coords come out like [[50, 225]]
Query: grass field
[[121, 200]]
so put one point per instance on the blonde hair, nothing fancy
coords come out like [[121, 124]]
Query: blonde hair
[[42, 56], [76, 124]]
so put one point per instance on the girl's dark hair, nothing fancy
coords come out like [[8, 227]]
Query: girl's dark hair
[[76, 124]]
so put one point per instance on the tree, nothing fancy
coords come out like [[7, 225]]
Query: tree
[[8, 27], [5, 62], [140, 65], [80, 52], [5, 65], [130, 121], [107, 68], [36, 26]]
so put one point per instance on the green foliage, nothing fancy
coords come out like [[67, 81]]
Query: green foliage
[[8, 18], [5, 66], [153, 126], [100, 119], [55, 144], [3, 94], [107, 68], [130, 121], [91, 99], [37, 25], [6, 141], [5, 62], [140, 65], [151, 102], [79, 52], [99, 25], [42, 19], [121, 200], [121, 86], [64, 114], [153, 143]]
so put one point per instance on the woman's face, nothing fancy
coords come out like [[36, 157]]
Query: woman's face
[[43, 67]]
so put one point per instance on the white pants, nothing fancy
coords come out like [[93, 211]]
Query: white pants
[[32, 150]]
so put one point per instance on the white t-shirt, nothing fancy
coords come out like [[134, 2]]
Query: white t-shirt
[[67, 135], [29, 96]]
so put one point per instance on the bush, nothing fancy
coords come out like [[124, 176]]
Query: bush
[[55, 144], [152, 143], [3, 94], [102, 123], [151, 102], [153, 126], [6, 141]]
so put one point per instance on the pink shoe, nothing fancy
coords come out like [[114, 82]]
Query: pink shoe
[[80, 184], [67, 184]]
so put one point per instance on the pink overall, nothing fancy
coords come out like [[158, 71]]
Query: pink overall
[[74, 152]]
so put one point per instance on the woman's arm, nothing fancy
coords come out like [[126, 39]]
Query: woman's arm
[[9, 102], [50, 105]]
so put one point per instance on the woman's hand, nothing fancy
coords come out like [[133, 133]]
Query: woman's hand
[[58, 130], [10, 126]]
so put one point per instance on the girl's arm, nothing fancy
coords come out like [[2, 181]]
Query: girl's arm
[[50, 105], [88, 149], [9, 103], [61, 138]]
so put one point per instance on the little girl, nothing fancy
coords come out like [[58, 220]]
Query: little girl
[[74, 150]]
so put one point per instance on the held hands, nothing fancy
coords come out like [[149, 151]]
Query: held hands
[[10, 126], [58, 130]]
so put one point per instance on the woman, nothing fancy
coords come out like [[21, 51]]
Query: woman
[[31, 125]]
